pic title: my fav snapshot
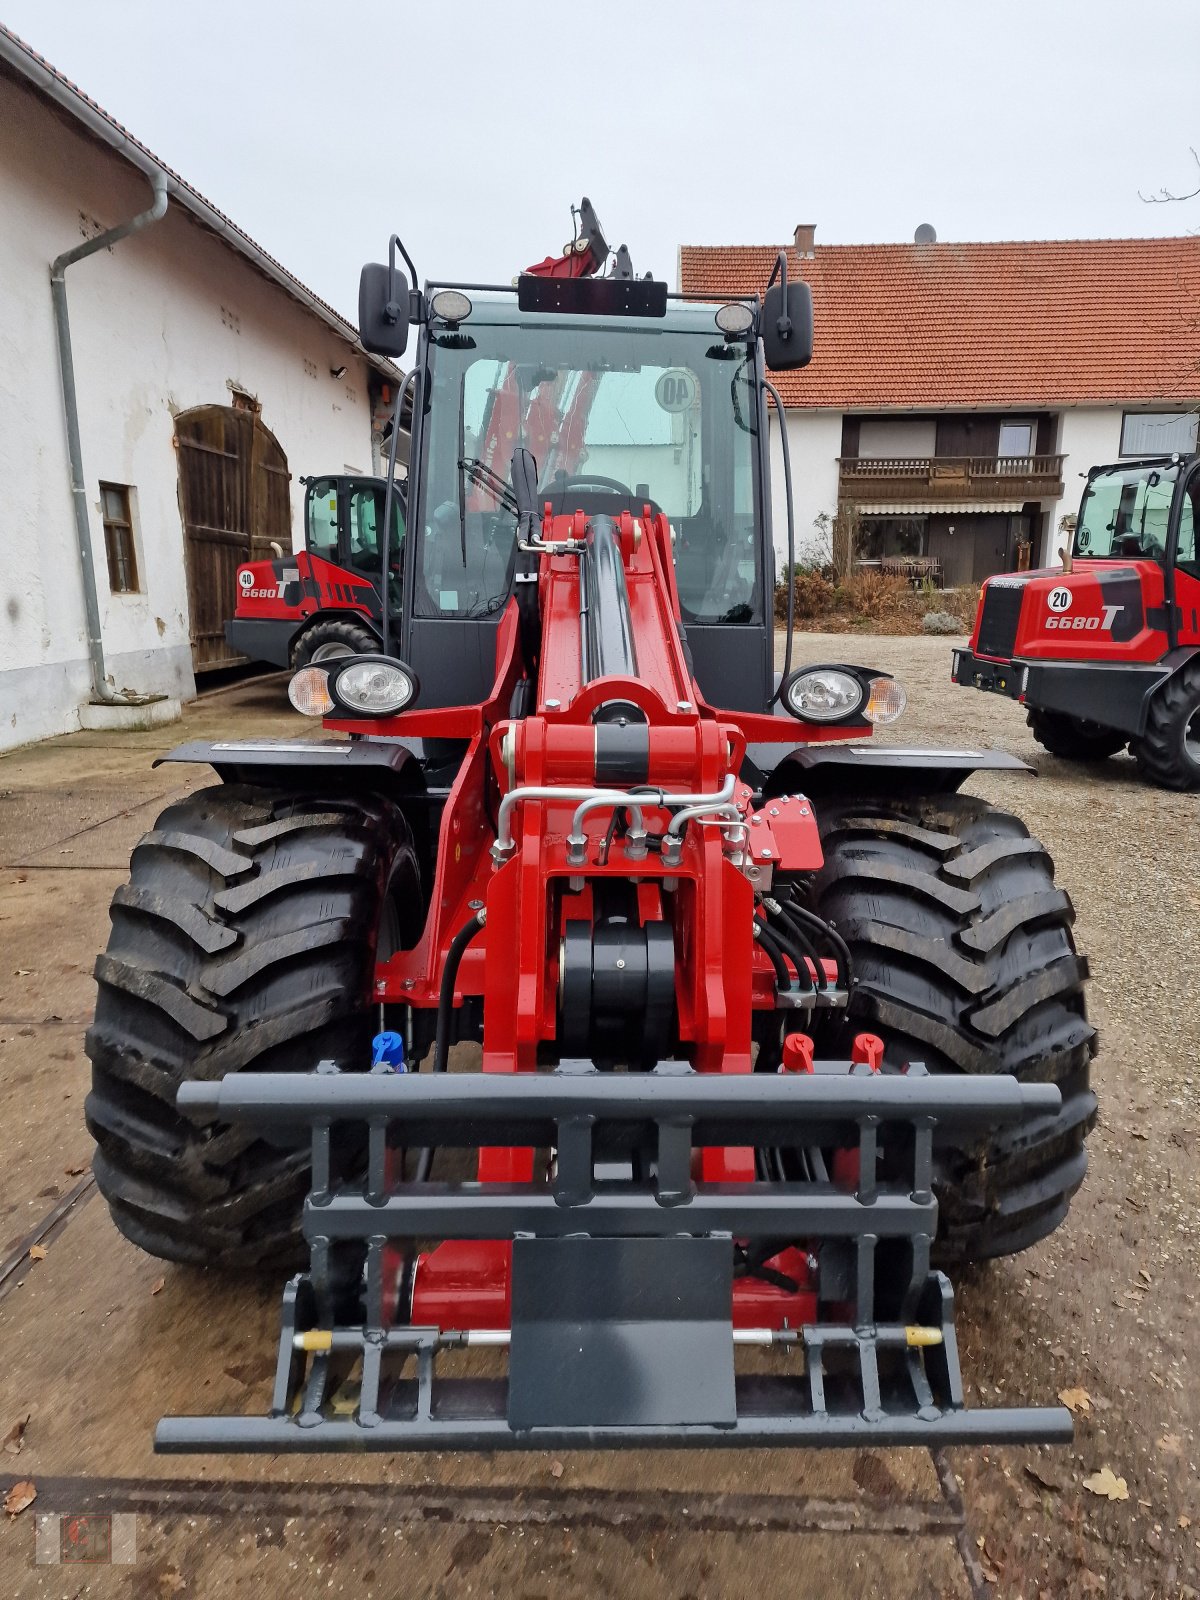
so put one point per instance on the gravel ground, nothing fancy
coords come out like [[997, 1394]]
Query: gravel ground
[[1108, 1304], [1105, 1308]]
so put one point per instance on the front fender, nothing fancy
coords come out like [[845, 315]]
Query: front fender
[[856, 768], [330, 765]]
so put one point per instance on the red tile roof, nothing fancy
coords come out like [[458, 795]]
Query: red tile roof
[[1046, 323]]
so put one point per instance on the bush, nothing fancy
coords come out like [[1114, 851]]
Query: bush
[[814, 594], [940, 622], [872, 596]]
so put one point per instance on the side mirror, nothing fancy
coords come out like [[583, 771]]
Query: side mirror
[[786, 325], [524, 475], [383, 309]]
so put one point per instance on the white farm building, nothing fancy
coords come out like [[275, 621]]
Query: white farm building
[[163, 383]]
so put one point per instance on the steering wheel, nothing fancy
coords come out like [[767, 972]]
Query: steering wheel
[[577, 480]]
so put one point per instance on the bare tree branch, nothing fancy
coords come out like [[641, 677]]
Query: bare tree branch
[[1165, 196]]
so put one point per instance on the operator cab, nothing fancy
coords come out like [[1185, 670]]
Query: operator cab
[[619, 413], [343, 518], [1131, 512]]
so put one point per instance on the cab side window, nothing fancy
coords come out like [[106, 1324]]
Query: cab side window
[[366, 519], [1186, 556], [322, 530]]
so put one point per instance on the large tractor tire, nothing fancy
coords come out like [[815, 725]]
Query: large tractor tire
[[1168, 753], [964, 959], [1074, 738], [245, 940], [332, 640]]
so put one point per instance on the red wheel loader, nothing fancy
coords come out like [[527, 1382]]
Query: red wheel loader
[[322, 602], [1105, 652], [773, 1025]]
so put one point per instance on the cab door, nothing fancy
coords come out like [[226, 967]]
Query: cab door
[[1185, 557]]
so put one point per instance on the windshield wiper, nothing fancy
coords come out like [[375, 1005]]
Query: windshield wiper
[[484, 478], [462, 484]]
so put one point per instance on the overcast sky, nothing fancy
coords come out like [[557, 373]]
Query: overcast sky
[[470, 127]]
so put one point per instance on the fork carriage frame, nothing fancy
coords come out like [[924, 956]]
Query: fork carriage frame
[[622, 1330]]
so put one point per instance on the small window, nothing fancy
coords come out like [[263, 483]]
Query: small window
[[1016, 439], [1157, 433], [117, 514]]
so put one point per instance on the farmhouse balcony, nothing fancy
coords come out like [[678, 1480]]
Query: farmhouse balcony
[[953, 480]]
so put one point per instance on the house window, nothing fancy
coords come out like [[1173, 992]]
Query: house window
[[1157, 433], [1016, 438], [118, 538]]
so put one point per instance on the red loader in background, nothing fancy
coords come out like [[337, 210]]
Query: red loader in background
[[1105, 651]]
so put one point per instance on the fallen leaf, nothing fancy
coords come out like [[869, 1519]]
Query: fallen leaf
[[37, 1252], [159, 1286], [23, 972], [1170, 1444], [14, 1439], [556, 1469], [1043, 1475], [75, 1172], [20, 1496], [170, 1582], [1184, 1522], [1144, 1276], [1076, 1399], [53, 1017], [1106, 1484]]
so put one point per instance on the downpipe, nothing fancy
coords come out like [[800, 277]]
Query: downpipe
[[101, 693]]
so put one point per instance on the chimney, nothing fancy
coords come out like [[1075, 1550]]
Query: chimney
[[805, 234]]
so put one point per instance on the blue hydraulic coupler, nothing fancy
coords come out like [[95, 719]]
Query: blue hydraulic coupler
[[387, 1053]]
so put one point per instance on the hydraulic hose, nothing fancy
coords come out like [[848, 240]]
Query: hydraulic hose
[[771, 945], [441, 1041], [822, 928], [797, 945]]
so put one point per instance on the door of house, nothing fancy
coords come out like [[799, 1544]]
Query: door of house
[[236, 503]]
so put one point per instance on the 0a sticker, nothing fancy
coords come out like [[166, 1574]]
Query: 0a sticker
[[1059, 600]]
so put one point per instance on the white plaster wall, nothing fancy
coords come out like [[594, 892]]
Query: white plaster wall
[[815, 442], [1087, 436], [166, 320], [890, 437]]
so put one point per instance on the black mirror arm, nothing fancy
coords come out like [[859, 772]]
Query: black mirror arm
[[392, 311], [389, 498], [783, 325], [791, 523]]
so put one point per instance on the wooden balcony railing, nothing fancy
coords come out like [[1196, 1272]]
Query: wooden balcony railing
[[894, 480]]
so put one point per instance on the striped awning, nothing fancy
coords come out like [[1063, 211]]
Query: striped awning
[[957, 508]]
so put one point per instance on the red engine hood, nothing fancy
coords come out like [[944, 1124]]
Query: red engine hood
[[1100, 611]]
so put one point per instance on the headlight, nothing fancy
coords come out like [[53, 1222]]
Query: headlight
[[734, 319], [887, 701], [823, 694], [451, 305], [309, 692], [373, 686]]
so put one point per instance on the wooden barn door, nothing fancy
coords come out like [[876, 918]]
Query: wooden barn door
[[235, 499]]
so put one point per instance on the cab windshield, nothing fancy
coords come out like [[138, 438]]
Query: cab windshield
[[617, 414], [1124, 514]]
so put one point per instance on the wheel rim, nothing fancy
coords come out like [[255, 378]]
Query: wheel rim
[[330, 652], [1191, 738]]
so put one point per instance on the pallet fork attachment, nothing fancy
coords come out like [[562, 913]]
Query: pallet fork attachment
[[621, 1332]]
